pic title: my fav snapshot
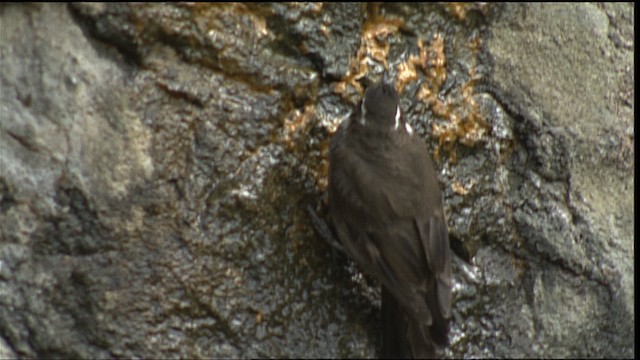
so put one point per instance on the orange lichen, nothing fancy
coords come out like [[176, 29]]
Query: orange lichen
[[294, 122], [324, 29], [211, 13], [464, 123], [460, 189], [459, 10], [293, 136], [475, 43], [436, 61], [374, 47], [407, 72], [316, 7], [433, 62], [461, 121]]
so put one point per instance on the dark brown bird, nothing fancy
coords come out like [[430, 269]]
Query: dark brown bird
[[386, 208]]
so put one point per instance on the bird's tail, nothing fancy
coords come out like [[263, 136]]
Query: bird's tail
[[406, 336]]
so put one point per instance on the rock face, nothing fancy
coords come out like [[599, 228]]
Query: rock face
[[156, 160]]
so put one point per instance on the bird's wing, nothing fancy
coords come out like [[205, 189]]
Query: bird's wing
[[435, 240], [386, 255]]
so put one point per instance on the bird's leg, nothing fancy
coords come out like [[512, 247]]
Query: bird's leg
[[323, 230]]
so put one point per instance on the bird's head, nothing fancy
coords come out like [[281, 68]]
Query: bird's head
[[380, 107]]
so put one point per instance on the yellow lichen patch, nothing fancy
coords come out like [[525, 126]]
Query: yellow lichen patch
[[315, 8], [351, 78], [435, 61], [374, 47], [324, 29], [407, 72], [211, 13], [293, 136], [461, 121], [474, 44], [460, 189], [294, 123], [459, 10], [464, 123]]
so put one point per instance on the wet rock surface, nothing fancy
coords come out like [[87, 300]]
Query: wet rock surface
[[156, 160]]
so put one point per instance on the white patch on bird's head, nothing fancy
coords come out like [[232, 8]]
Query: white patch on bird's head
[[409, 129], [363, 111], [397, 118]]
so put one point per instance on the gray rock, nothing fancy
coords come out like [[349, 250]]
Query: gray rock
[[156, 160]]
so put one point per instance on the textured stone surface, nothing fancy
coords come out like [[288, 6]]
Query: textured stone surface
[[156, 160]]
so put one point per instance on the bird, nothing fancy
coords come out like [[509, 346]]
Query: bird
[[387, 213]]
